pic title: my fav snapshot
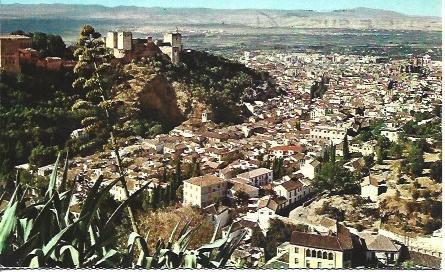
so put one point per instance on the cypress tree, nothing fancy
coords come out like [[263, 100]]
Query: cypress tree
[[172, 187], [346, 154], [155, 198], [164, 174], [178, 173], [332, 149], [166, 196], [326, 154]]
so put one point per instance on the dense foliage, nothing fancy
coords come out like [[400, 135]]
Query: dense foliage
[[35, 117], [333, 176]]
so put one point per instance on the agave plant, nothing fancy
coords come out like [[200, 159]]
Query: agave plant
[[48, 233]]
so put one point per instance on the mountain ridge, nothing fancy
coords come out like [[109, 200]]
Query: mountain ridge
[[356, 9], [363, 10], [138, 18]]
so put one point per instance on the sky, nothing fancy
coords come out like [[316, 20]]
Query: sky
[[410, 7]]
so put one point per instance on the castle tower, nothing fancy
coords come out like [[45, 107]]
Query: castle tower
[[124, 40], [9, 51], [175, 39], [111, 39]]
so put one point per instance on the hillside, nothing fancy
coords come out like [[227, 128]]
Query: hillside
[[158, 18], [40, 109], [167, 92]]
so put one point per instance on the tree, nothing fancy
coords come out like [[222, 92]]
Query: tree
[[380, 154], [278, 167], [346, 154], [257, 239], [155, 197], [165, 193], [332, 153], [325, 155], [436, 171], [241, 197], [180, 192], [278, 233], [416, 162], [369, 161], [96, 76], [395, 151], [334, 177], [42, 155], [298, 125]]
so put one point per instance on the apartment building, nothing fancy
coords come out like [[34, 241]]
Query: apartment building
[[334, 134], [204, 190], [307, 250], [292, 190], [257, 177]]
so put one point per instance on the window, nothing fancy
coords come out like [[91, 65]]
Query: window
[[314, 253], [391, 256], [308, 264], [296, 260], [319, 265], [296, 249], [308, 253], [319, 254], [331, 256], [325, 255]]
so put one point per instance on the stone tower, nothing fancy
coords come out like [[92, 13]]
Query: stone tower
[[111, 39], [124, 40], [175, 39], [9, 51]]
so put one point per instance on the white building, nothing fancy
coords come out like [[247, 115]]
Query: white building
[[267, 208], [372, 187], [257, 177], [310, 168], [391, 133], [204, 190], [292, 190], [334, 134]]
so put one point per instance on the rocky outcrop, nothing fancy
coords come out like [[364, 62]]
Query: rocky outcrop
[[150, 95]]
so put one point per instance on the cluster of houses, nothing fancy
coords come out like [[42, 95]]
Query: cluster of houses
[[236, 160]]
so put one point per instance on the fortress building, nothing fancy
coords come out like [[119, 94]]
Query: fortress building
[[126, 48], [120, 42], [172, 46], [10, 46], [16, 51]]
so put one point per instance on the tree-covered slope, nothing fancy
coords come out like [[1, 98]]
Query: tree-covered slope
[[35, 117]]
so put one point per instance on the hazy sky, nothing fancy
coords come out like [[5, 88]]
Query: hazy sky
[[411, 7]]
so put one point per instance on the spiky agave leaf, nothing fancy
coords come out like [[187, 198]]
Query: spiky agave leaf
[[191, 260], [26, 225], [63, 182], [36, 258], [123, 205], [51, 245], [71, 253], [7, 226], [52, 179]]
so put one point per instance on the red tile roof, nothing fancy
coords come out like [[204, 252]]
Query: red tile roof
[[340, 242], [295, 148]]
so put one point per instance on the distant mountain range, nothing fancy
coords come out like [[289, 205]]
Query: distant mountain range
[[358, 18]]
